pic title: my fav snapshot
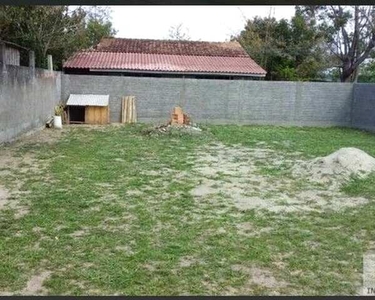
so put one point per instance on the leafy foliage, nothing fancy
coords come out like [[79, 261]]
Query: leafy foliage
[[349, 32], [287, 50], [56, 30], [98, 26], [367, 72]]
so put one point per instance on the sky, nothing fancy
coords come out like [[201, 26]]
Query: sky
[[205, 23]]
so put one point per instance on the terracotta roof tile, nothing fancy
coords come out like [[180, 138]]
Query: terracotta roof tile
[[163, 63], [172, 47]]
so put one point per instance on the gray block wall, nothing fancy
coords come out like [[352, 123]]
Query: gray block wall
[[26, 100], [364, 106], [222, 101]]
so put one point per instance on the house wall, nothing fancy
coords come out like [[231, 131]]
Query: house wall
[[27, 99], [364, 106], [221, 101]]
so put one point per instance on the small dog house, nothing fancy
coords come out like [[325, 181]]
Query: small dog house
[[88, 109]]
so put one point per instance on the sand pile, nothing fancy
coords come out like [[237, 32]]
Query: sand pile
[[338, 166]]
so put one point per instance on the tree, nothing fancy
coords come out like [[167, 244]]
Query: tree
[[177, 32], [287, 50], [55, 30], [98, 25], [367, 72], [349, 31], [42, 29]]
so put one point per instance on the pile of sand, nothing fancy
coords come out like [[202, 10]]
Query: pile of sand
[[338, 166]]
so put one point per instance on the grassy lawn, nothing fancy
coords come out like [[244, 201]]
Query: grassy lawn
[[109, 210]]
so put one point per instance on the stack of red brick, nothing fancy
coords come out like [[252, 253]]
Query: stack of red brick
[[178, 117]]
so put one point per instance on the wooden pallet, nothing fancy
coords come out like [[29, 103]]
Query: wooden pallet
[[129, 112]]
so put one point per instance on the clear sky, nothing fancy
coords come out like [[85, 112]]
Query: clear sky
[[206, 23]]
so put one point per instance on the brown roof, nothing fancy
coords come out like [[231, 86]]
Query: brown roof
[[171, 47], [166, 56], [164, 63]]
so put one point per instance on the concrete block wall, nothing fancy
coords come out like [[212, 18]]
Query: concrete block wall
[[27, 99], [363, 111], [222, 101]]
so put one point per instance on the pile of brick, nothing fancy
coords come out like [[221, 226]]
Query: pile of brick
[[178, 124], [178, 117]]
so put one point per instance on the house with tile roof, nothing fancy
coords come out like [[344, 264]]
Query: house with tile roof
[[165, 58]]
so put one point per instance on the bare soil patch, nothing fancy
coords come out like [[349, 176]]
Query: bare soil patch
[[4, 195], [125, 249], [78, 233], [248, 229], [260, 276], [188, 261], [172, 129], [232, 175], [12, 163], [35, 284]]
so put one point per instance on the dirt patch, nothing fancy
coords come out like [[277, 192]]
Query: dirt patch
[[260, 276], [188, 261], [234, 175], [21, 211], [175, 129], [150, 267], [204, 189], [78, 284], [4, 195], [104, 185], [15, 164], [125, 249], [35, 284], [248, 229], [11, 202], [47, 135], [134, 192], [78, 233]]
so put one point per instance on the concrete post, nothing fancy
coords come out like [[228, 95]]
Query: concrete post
[[32, 61], [2, 57], [50, 63]]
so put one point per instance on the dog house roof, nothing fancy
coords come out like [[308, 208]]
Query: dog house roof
[[88, 100]]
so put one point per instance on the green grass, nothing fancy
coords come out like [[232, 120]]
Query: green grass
[[311, 141], [132, 243], [361, 187]]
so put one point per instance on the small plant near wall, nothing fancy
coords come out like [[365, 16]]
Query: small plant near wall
[[59, 110], [57, 120]]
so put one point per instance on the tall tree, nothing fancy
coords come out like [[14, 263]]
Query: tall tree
[[98, 25], [350, 34], [287, 50], [55, 30]]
